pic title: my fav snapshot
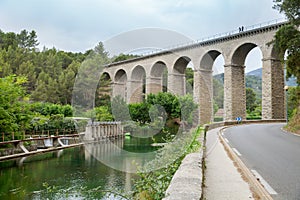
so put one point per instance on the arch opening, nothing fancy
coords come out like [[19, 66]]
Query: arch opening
[[104, 89], [218, 88], [180, 76], [158, 81], [137, 85], [120, 84]]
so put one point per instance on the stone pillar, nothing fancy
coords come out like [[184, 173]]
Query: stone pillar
[[176, 84], [154, 85], [273, 90], [135, 91], [119, 88], [203, 96], [234, 92]]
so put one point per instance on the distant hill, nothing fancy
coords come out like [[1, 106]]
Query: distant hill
[[258, 73]]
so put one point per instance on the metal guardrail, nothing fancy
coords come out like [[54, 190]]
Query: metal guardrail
[[219, 35]]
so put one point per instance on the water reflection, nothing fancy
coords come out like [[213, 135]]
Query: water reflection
[[74, 173]]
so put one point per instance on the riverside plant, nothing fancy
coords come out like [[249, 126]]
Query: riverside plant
[[153, 183]]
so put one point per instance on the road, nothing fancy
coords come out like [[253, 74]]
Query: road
[[273, 153]]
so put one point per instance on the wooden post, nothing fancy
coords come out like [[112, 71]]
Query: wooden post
[[13, 136], [3, 136]]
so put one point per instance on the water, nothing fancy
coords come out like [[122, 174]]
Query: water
[[84, 172]]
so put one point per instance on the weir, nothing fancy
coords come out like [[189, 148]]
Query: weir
[[96, 131]]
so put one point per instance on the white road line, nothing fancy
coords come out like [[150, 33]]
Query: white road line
[[237, 152], [264, 182], [226, 140]]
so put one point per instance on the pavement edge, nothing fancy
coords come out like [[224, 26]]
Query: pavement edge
[[259, 191]]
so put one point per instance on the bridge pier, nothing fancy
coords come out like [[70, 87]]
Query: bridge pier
[[273, 90], [154, 85], [203, 95], [135, 91], [119, 89], [176, 83], [234, 92]]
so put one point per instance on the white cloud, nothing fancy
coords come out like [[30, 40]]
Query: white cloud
[[79, 24]]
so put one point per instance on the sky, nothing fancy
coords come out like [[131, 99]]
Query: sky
[[78, 25]]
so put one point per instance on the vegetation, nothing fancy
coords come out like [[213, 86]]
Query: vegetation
[[287, 38], [155, 180], [287, 41]]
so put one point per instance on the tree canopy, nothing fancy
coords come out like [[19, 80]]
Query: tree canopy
[[287, 39]]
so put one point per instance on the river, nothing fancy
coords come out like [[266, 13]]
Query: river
[[92, 171]]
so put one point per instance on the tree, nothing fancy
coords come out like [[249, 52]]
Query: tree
[[13, 110], [287, 38], [251, 101], [123, 57], [27, 40]]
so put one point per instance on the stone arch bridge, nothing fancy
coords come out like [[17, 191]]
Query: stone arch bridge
[[132, 78]]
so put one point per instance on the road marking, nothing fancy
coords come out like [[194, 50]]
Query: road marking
[[264, 182], [226, 140], [237, 152]]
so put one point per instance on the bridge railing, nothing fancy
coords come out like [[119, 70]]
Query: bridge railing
[[219, 35]]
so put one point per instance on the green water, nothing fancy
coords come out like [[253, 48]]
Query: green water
[[75, 173]]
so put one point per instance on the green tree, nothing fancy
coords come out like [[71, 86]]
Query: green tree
[[13, 109], [251, 101], [287, 38], [120, 109], [218, 92], [103, 114], [139, 112], [123, 57]]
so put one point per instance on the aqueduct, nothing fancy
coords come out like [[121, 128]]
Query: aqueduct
[[129, 78]]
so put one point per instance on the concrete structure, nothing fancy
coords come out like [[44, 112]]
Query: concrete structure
[[132, 78], [102, 130]]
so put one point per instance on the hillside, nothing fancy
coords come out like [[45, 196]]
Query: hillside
[[254, 81]]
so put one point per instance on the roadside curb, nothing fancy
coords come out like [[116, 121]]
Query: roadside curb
[[259, 191]]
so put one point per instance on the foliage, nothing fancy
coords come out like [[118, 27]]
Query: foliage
[[251, 101], [139, 112], [103, 114], [13, 108], [187, 107], [49, 109], [153, 184], [166, 100], [218, 92], [103, 92], [293, 96], [287, 38], [120, 109], [294, 122], [123, 57], [290, 8]]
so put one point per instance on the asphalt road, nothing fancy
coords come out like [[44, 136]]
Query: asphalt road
[[273, 153]]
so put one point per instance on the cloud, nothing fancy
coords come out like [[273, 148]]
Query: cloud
[[78, 25]]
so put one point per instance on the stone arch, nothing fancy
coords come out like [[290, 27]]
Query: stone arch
[[177, 79], [104, 89], [136, 90], [181, 64], [120, 84], [158, 80], [240, 54], [207, 61]]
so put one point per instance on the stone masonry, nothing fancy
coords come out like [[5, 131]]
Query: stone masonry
[[127, 76]]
